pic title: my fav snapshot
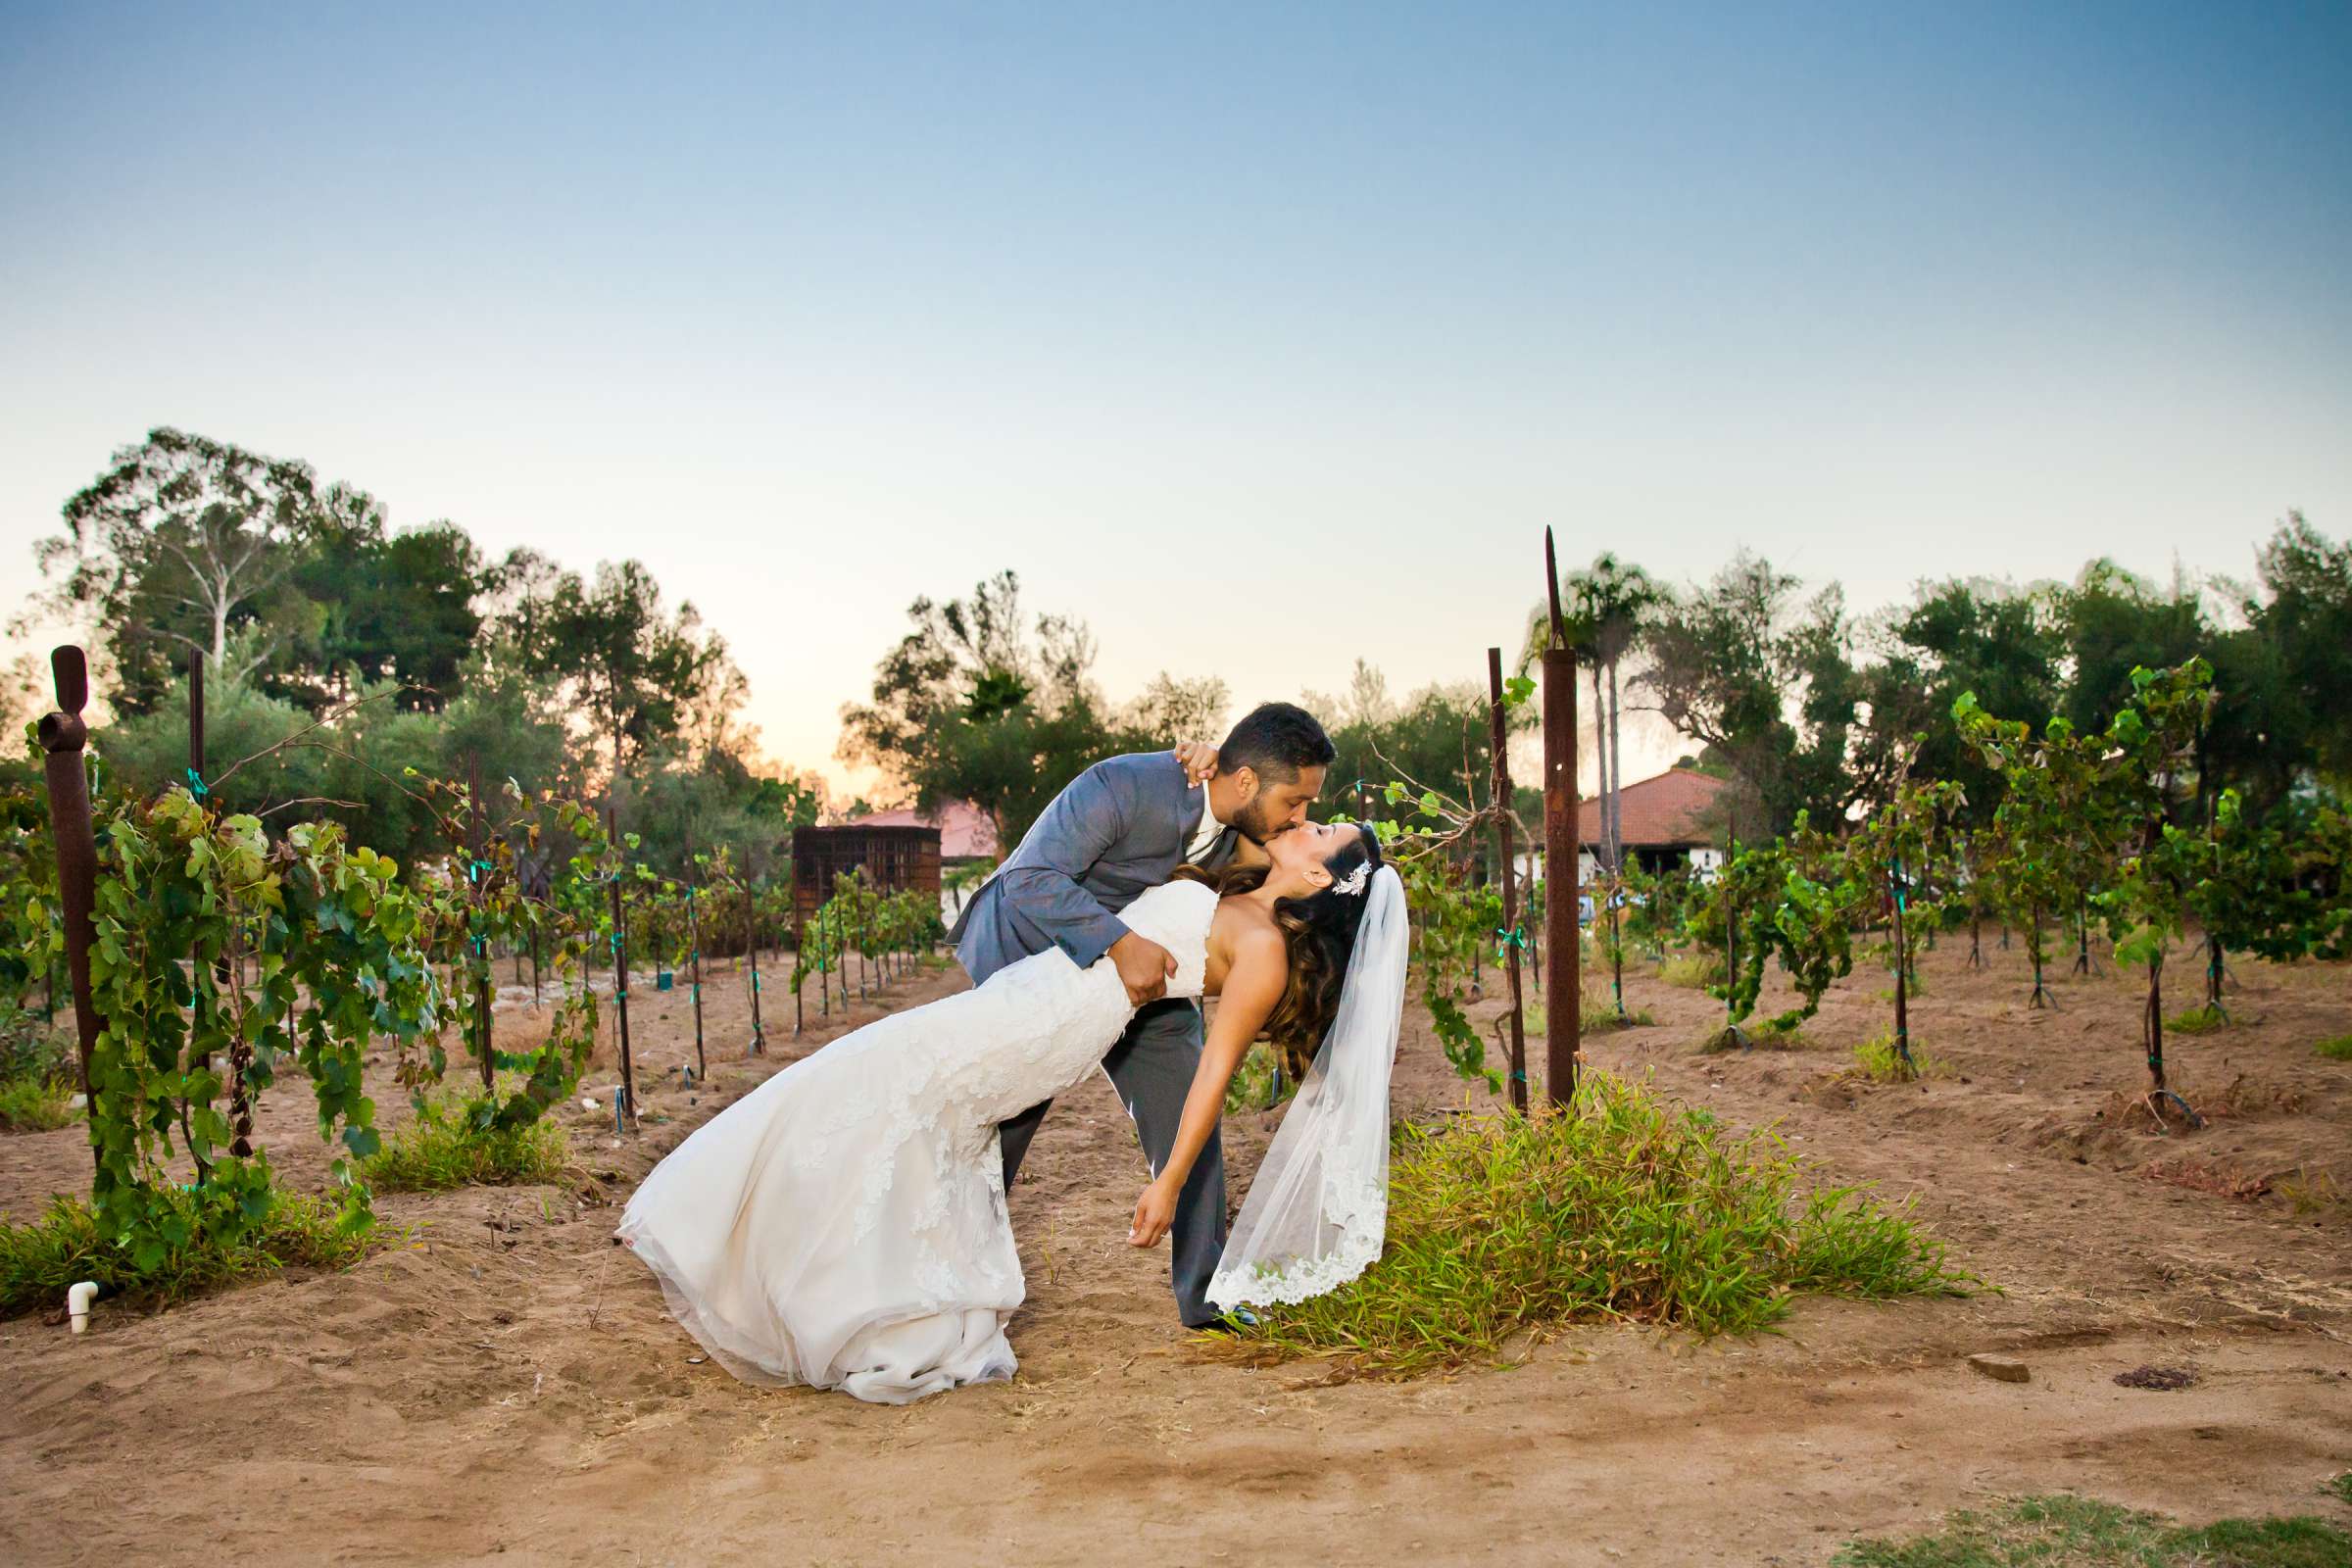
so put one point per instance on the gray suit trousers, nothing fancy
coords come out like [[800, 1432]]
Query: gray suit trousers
[[1152, 1067]]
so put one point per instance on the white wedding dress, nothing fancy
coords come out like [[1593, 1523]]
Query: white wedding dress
[[843, 1224]]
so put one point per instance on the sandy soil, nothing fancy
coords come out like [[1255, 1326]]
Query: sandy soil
[[508, 1388]]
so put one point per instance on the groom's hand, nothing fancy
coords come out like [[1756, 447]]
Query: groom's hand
[[1144, 967]]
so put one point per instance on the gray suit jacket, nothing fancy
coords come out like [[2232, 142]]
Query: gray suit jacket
[[1120, 827]]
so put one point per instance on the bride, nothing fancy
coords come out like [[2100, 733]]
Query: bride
[[844, 1225]]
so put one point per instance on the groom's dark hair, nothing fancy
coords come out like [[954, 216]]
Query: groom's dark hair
[[1275, 741]]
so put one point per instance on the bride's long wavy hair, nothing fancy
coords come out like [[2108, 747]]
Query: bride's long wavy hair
[[1320, 932]]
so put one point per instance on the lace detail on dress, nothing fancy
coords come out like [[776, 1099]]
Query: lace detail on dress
[[845, 1224]]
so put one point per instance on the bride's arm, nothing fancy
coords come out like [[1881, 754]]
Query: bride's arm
[[1253, 982]]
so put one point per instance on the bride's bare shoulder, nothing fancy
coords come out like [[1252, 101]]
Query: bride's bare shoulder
[[1243, 925]]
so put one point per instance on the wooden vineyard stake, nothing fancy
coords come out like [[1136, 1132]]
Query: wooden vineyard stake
[[693, 959], [2041, 996], [2216, 963], [1563, 1017], [199, 1061], [1732, 1034], [799, 950], [751, 949], [62, 735], [621, 972], [477, 892], [196, 785], [227, 966], [841, 953], [1511, 937], [1900, 886]]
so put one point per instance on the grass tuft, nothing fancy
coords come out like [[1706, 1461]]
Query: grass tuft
[[2197, 1021], [2337, 1049], [2082, 1534], [38, 1073], [1597, 1012], [38, 1104], [1258, 1083], [1757, 1034], [2340, 1488], [39, 1260], [1876, 1059], [449, 1145], [1691, 971], [1626, 1208]]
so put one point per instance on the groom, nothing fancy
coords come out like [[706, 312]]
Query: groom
[[1120, 827]]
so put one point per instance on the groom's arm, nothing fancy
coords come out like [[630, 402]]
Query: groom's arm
[[1076, 830]]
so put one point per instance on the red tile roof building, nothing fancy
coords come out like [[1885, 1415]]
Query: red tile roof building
[[964, 831], [1664, 812]]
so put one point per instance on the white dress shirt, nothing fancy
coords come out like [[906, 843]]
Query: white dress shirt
[[1204, 833]]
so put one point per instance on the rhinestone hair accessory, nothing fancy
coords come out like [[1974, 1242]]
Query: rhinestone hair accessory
[[1352, 884]]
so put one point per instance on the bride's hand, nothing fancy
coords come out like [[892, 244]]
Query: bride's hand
[[1154, 1212], [1200, 760]]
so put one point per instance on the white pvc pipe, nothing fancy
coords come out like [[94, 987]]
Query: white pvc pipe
[[77, 1304]]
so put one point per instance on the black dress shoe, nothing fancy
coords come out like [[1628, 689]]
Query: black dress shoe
[[1233, 1322]]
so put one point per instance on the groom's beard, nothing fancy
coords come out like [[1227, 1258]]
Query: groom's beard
[[1251, 822]]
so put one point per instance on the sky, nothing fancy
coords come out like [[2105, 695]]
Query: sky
[[1262, 338]]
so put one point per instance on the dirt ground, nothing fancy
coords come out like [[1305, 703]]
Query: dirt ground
[[508, 1386]]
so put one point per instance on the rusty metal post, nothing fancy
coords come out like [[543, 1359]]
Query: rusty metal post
[[1563, 1016], [1510, 937], [62, 735]]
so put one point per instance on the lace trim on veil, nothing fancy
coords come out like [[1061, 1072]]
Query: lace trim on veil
[[1317, 1212]]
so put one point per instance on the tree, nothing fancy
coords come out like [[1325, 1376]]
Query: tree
[[642, 678], [2239, 883], [1772, 691], [173, 548], [2287, 673], [1174, 710], [2114, 625], [1892, 856], [148, 751], [2150, 740], [978, 703], [2060, 822], [1606, 611], [1813, 921], [1984, 637], [788, 800], [1739, 913], [394, 607]]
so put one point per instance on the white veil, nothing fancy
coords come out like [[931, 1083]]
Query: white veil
[[1318, 1212]]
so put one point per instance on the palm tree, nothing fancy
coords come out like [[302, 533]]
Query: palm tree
[[1606, 611], [1612, 603]]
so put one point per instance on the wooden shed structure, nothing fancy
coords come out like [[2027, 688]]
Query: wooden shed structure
[[893, 857]]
